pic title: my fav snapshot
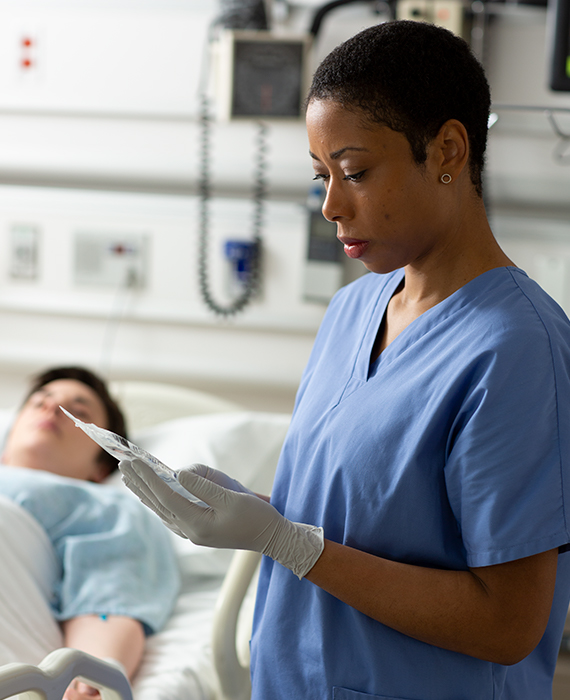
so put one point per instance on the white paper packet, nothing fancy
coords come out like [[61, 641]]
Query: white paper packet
[[121, 448]]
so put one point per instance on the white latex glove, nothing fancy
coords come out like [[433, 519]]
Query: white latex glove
[[220, 478], [233, 517]]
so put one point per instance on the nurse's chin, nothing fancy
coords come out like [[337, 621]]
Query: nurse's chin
[[380, 268]]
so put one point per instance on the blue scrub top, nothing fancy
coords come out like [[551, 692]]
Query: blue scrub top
[[451, 451]]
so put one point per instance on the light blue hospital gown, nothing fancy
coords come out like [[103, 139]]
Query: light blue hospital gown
[[116, 556], [451, 451]]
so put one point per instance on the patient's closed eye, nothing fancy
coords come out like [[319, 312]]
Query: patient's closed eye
[[79, 407], [79, 410]]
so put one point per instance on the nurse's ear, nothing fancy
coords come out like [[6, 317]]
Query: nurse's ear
[[451, 148]]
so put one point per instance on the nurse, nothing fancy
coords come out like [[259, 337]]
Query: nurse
[[422, 493]]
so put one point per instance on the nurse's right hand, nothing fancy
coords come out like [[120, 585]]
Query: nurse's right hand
[[230, 516]]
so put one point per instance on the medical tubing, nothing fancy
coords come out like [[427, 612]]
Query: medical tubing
[[323, 10], [205, 192], [123, 296]]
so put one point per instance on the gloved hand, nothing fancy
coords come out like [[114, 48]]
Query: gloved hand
[[233, 517], [220, 478]]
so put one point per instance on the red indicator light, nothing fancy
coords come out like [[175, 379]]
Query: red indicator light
[[121, 249]]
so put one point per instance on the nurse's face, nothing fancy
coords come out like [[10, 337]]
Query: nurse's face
[[385, 205], [43, 437]]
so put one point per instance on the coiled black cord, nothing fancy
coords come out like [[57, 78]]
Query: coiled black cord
[[253, 281], [324, 10]]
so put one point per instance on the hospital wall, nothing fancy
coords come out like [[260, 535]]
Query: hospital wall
[[102, 140]]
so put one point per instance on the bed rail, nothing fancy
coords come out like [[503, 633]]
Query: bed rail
[[49, 680], [233, 676]]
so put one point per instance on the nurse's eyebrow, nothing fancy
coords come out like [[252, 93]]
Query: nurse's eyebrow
[[341, 151]]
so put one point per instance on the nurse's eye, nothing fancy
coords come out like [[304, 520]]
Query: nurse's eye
[[356, 177], [321, 176]]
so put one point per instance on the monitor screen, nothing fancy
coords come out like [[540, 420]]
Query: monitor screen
[[268, 78], [560, 45]]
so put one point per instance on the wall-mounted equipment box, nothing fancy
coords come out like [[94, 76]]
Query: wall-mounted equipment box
[[110, 259], [260, 75], [559, 38], [445, 13]]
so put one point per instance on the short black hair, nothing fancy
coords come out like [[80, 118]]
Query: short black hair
[[412, 77], [115, 418]]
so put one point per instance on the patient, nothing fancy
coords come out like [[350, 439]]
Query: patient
[[117, 579]]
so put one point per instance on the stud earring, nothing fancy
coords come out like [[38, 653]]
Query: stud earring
[[446, 178]]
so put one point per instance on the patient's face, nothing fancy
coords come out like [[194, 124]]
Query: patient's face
[[43, 437]]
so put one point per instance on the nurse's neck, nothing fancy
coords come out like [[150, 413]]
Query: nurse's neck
[[430, 282], [468, 253]]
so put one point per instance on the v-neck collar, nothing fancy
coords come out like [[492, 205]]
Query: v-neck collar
[[363, 368], [362, 371]]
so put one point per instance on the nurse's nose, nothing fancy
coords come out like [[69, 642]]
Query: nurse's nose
[[336, 205]]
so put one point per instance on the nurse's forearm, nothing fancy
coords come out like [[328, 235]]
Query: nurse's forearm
[[497, 613], [115, 637]]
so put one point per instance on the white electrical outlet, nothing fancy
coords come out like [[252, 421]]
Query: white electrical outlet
[[110, 259], [24, 255]]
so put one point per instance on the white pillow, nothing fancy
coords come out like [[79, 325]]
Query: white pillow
[[246, 445], [7, 416]]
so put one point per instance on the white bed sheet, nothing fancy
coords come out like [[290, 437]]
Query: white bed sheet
[[177, 664], [28, 571]]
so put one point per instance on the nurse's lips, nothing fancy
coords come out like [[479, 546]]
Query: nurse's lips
[[353, 247]]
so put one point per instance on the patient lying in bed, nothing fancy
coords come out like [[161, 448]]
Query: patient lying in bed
[[89, 567]]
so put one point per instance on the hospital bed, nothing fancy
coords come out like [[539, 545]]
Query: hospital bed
[[202, 653]]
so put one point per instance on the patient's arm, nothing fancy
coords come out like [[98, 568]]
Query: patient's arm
[[115, 637]]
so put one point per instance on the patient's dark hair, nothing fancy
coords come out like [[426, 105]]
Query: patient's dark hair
[[412, 77], [115, 418]]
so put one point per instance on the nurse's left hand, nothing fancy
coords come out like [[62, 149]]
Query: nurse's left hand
[[232, 518]]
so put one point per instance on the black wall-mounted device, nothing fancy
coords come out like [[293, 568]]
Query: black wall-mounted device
[[560, 45], [261, 75]]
